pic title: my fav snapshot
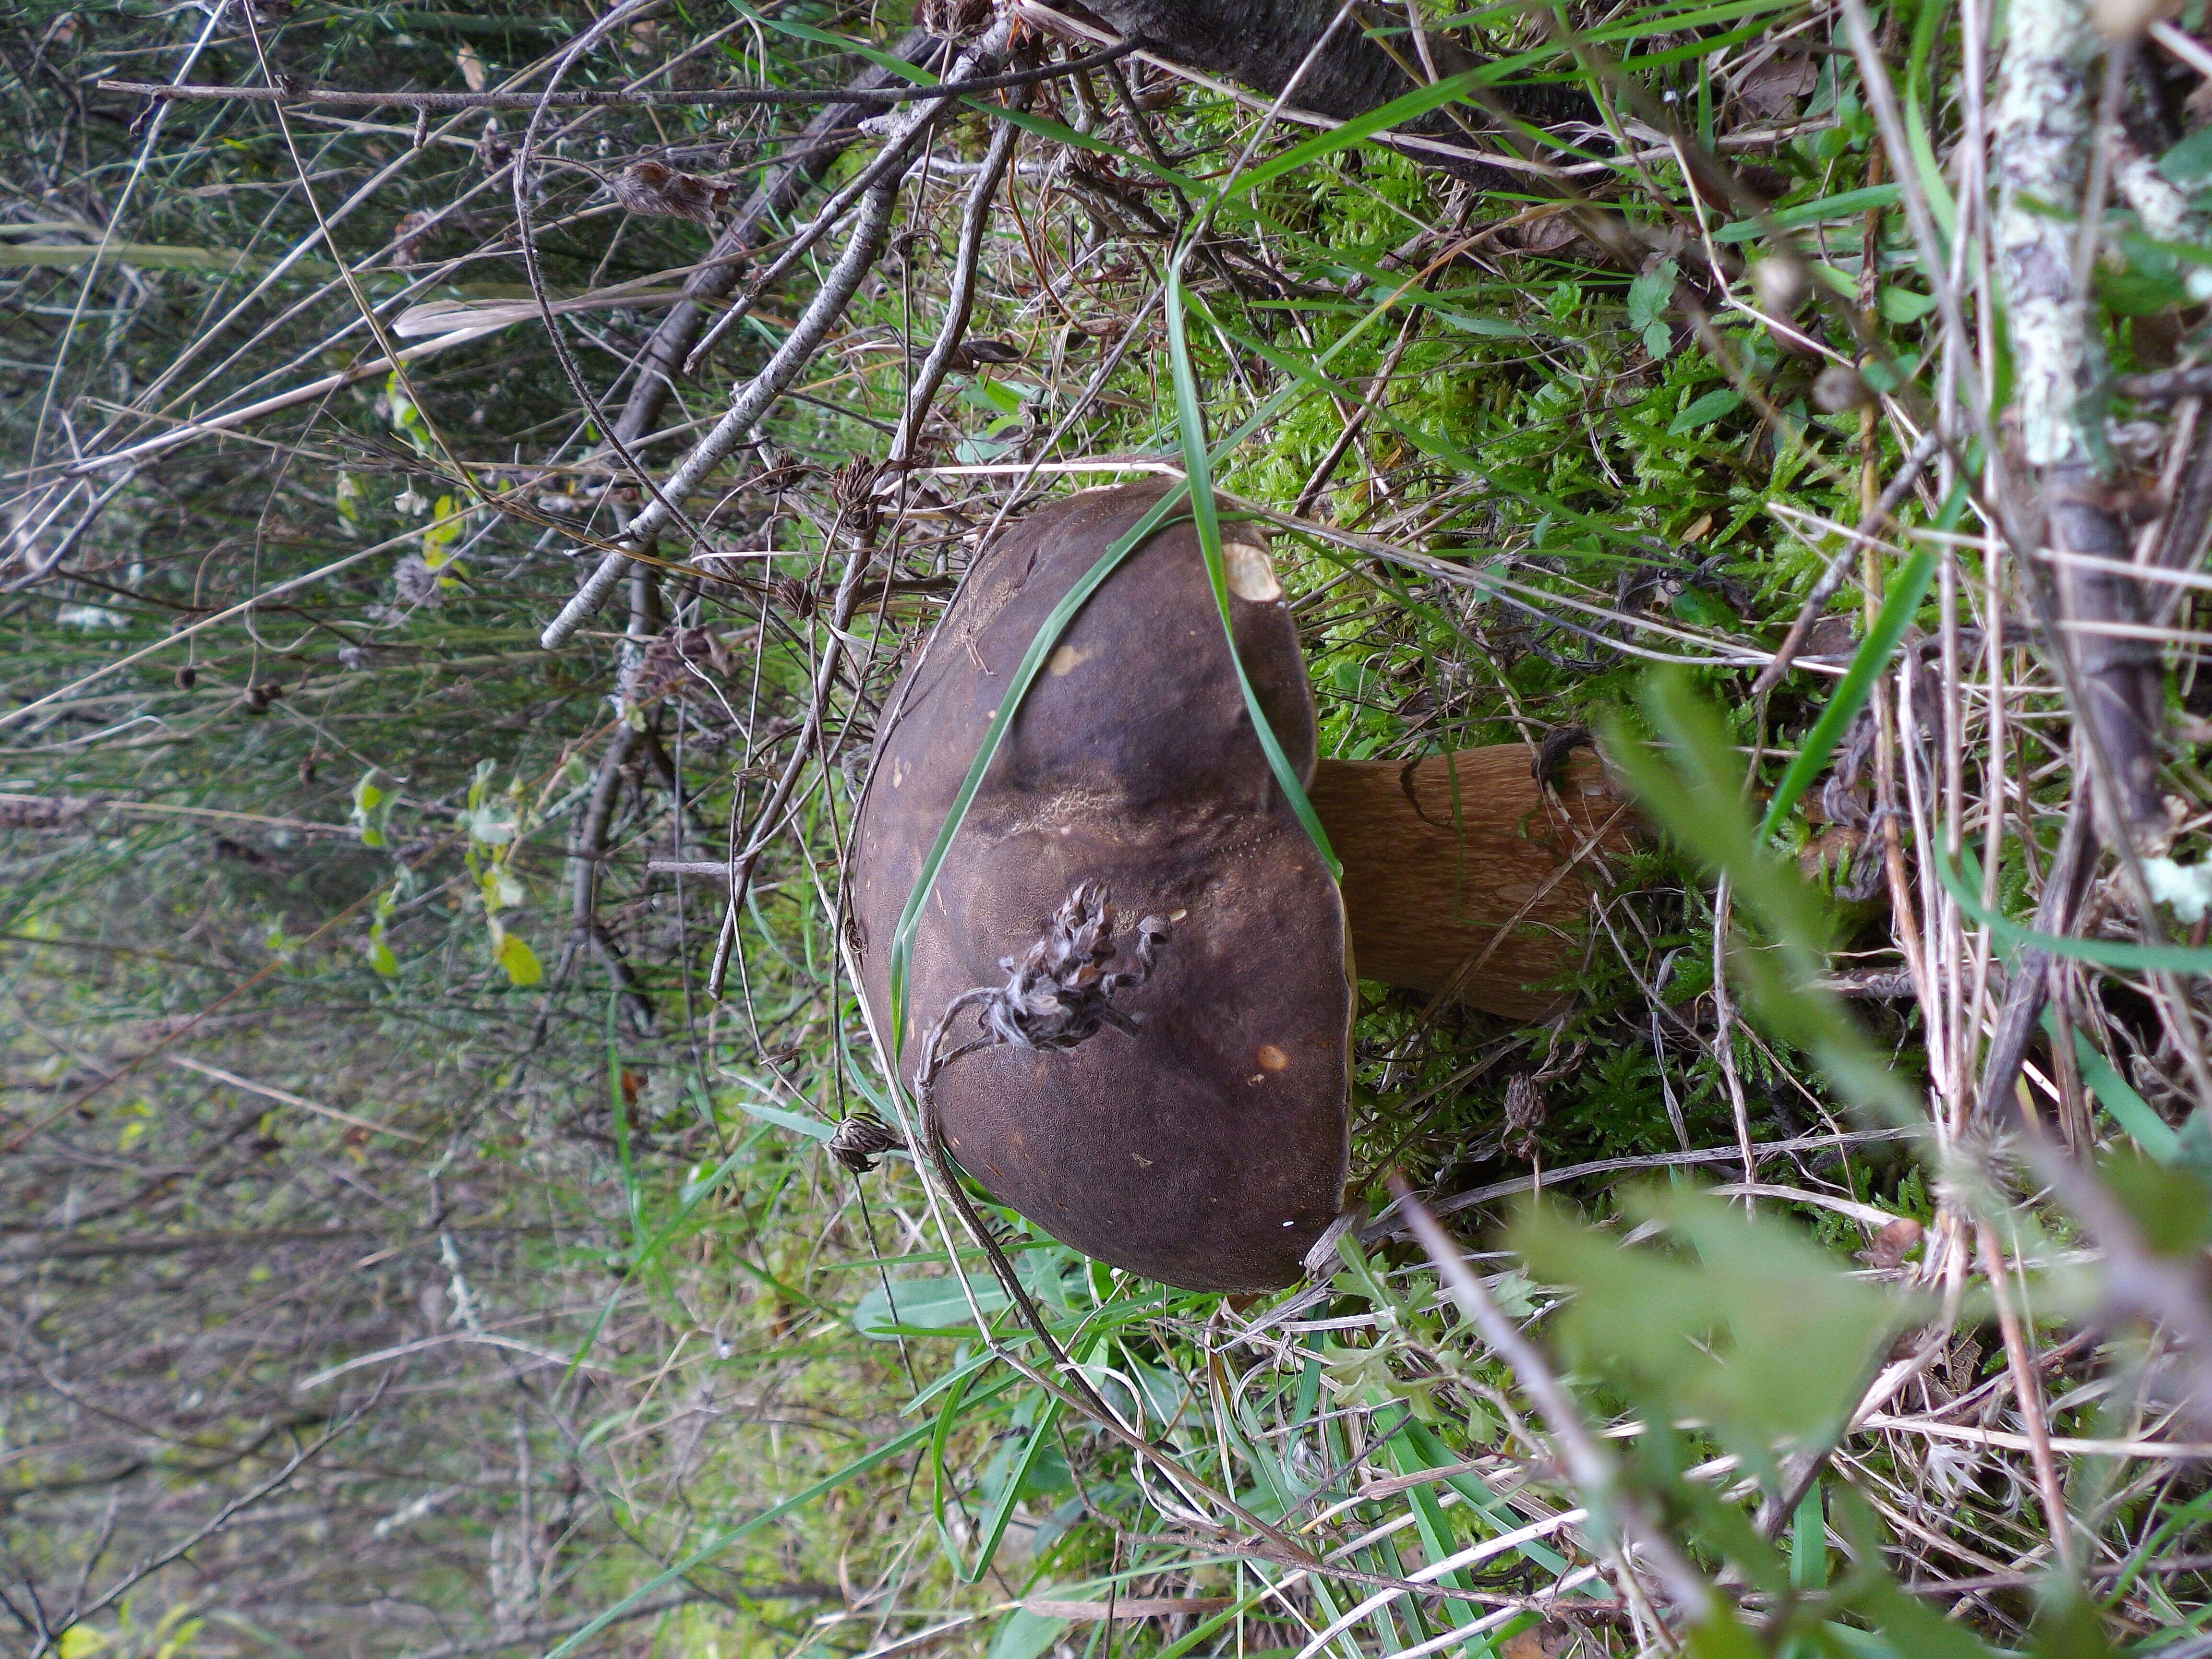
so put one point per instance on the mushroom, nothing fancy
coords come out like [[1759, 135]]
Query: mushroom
[[1204, 1142]]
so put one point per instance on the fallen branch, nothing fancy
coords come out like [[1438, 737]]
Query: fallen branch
[[584, 853], [824, 138], [2167, 386]]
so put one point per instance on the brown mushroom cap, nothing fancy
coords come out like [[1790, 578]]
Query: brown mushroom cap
[[1208, 1149]]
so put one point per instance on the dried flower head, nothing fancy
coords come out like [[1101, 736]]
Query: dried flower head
[[656, 189], [665, 664], [861, 1138], [954, 19], [416, 582], [408, 237], [1526, 1110], [495, 147]]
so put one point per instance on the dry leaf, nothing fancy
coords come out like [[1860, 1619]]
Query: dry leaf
[[1892, 1244], [1549, 1640], [1552, 234], [1773, 88]]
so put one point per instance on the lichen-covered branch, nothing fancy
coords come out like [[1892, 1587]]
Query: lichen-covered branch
[[2044, 126]]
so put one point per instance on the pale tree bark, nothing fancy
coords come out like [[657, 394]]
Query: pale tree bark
[[2044, 134]]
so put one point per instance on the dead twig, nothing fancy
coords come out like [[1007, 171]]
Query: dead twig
[[960, 303], [705, 98]]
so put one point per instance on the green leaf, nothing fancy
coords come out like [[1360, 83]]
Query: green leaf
[[1700, 608], [1650, 294], [1697, 800], [1410, 107], [1901, 305], [1705, 410], [2067, 1627], [1809, 1542], [501, 888], [1016, 1478], [2179, 958], [2169, 1203], [1933, 14], [2192, 1147], [151, 256], [2189, 161], [1721, 1635], [381, 958], [1762, 1335], [368, 798], [1496, 328], [1198, 469], [1906, 589], [1842, 206], [1438, 1538], [2151, 1131], [520, 960], [924, 1304], [812, 1127], [1024, 1635], [81, 1641]]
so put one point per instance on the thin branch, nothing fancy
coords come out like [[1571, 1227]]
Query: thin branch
[[716, 98], [220, 1519], [753, 401], [960, 304]]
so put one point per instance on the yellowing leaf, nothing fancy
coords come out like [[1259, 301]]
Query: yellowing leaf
[[501, 888], [519, 961]]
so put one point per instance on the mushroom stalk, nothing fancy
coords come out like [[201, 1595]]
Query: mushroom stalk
[[1460, 869]]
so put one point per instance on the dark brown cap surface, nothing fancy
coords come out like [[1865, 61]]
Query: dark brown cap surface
[[1208, 1150]]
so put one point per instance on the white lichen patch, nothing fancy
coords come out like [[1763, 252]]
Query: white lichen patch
[[2043, 123]]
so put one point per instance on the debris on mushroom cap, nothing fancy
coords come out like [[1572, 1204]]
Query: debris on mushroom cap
[[1208, 1145], [1058, 993]]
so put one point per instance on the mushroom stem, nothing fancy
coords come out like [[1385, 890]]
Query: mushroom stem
[[1460, 868]]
